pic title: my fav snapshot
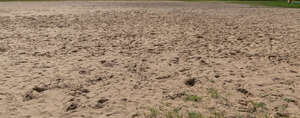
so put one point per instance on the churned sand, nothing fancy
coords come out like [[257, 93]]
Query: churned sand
[[146, 59]]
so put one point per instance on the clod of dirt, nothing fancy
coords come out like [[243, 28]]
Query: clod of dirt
[[39, 89], [163, 77], [276, 79], [190, 82], [184, 69], [107, 63], [135, 115], [243, 102], [124, 99], [175, 60], [228, 81], [94, 81], [72, 107], [100, 103], [2, 49], [28, 96], [204, 62], [287, 82], [290, 100], [199, 36], [243, 76], [79, 91], [99, 79], [282, 115], [244, 91], [85, 91], [82, 72], [293, 71], [177, 95], [103, 100], [102, 61]]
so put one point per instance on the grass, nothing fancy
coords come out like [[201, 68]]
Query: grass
[[153, 113], [258, 106], [269, 3], [288, 100], [282, 4], [213, 93], [173, 114], [192, 98], [178, 113], [195, 115]]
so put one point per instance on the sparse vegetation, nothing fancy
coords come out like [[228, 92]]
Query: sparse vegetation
[[153, 113], [269, 3], [212, 81], [213, 93], [195, 115], [276, 3], [193, 98], [174, 114], [258, 107], [219, 115], [288, 100]]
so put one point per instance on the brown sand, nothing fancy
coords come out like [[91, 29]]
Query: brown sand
[[120, 59]]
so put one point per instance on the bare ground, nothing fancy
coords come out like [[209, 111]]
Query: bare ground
[[148, 59]]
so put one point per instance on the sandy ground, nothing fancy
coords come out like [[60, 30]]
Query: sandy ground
[[146, 59]]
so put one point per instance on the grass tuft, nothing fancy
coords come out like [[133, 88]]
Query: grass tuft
[[195, 115], [193, 98], [154, 113], [213, 93]]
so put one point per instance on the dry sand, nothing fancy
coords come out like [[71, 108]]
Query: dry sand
[[120, 59]]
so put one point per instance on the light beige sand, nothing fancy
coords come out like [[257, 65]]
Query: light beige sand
[[120, 59]]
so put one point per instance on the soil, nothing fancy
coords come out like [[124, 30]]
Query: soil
[[77, 59]]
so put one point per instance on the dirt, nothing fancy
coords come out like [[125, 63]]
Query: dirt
[[129, 59]]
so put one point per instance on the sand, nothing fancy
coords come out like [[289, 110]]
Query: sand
[[145, 59]]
